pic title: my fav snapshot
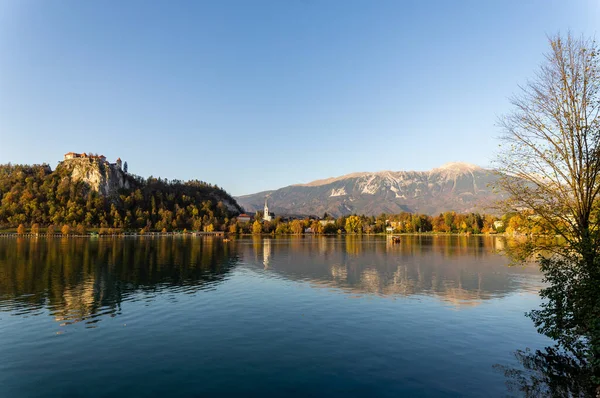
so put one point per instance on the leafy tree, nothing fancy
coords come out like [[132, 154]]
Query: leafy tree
[[257, 227], [80, 229], [297, 227], [282, 229], [50, 229], [330, 229], [35, 229], [551, 166], [353, 225], [316, 227], [65, 230], [21, 229]]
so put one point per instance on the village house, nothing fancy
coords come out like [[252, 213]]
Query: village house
[[326, 222], [244, 218], [396, 224]]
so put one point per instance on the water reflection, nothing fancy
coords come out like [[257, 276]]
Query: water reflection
[[459, 270], [549, 373], [85, 279]]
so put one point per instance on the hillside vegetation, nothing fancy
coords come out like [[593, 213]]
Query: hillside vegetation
[[37, 195]]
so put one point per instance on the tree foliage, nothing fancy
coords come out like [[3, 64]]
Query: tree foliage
[[36, 194], [551, 167], [256, 227], [354, 225], [551, 160]]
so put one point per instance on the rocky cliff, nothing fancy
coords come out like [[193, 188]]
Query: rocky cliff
[[459, 187], [103, 177]]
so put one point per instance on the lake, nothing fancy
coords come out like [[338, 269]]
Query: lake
[[300, 316]]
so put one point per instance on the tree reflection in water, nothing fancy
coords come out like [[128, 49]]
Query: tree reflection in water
[[549, 373], [85, 279]]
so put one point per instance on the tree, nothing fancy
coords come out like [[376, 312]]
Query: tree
[[316, 227], [550, 166], [21, 229], [80, 229], [125, 167], [353, 225], [50, 229], [330, 229], [297, 227], [65, 230], [35, 229], [256, 227]]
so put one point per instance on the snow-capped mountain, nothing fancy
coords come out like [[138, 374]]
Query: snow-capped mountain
[[459, 187]]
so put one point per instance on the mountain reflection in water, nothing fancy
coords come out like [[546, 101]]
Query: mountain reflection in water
[[457, 269], [261, 316], [86, 279]]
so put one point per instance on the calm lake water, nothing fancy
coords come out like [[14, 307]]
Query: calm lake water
[[326, 316]]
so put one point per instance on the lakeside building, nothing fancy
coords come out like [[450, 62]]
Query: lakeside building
[[244, 218]]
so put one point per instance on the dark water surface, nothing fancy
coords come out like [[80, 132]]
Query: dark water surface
[[323, 316]]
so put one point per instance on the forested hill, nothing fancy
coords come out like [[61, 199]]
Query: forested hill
[[72, 196]]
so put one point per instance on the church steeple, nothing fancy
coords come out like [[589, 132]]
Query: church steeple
[[266, 214]]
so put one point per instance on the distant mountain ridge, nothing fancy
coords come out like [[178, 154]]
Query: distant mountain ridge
[[457, 186]]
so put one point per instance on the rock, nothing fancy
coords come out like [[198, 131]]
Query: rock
[[103, 177]]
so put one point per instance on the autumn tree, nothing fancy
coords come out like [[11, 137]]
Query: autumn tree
[[551, 166], [21, 229], [35, 229], [297, 227], [353, 225], [282, 229], [257, 227], [65, 230], [80, 229]]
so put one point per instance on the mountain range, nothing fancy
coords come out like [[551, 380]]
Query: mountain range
[[457, 186]]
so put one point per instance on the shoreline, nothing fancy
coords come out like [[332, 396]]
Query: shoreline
[[229, 235]]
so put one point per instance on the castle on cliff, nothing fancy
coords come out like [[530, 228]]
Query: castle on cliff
[[101, 158]]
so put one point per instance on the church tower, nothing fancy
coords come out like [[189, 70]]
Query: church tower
[[266, 214]]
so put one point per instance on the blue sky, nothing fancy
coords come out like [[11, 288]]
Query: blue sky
[[254, 95]]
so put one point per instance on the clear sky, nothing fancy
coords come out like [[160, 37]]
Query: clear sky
[[254, 95]]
